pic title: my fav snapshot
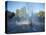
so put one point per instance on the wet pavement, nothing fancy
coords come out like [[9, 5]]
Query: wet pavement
[[35, 26]]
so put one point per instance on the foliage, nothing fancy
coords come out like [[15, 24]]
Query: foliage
[[9, 14], [21, 12], [41, 13]]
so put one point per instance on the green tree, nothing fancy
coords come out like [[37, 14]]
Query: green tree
[[17, 12], [41, 13], [21, 12]]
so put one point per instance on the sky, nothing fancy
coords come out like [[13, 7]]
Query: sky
[[32, 7]]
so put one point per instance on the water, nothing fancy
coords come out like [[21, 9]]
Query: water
[[36, 25]]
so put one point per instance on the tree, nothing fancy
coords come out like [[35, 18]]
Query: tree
[[42, 16], [21, 12], [9, 14], [17, 12], [41, 13]]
